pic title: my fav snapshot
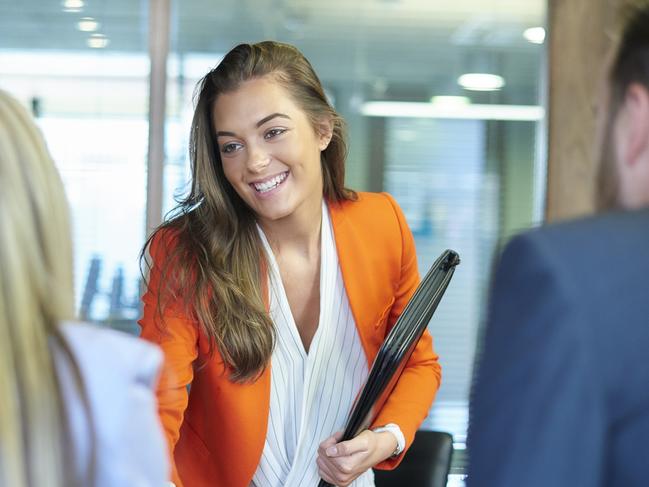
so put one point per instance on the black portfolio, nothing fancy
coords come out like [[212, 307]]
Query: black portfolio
[[399, 345]]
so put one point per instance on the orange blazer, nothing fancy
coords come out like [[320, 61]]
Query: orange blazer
[[216, 431]]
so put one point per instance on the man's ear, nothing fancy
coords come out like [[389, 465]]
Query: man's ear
[[325, 131], [636, 105]]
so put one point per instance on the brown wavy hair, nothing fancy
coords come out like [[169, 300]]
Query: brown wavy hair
[[214, 265]]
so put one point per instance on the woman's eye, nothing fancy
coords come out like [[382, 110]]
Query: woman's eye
[[273, 133], [230, 148]]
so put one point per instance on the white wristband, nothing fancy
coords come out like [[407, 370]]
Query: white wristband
[[398, 434]]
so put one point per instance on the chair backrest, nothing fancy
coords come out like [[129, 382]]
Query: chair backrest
[[426, 463]]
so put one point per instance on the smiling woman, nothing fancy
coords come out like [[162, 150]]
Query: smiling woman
[[271, 263], [272, 161]]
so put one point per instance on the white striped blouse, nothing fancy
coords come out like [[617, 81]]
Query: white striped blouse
[[311, 394]]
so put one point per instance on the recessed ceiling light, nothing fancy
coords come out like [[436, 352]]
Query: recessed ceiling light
[[535, 35], [73, 5], [406, 135], [98, 41], [481, 82], [87, 24], [450, 101]]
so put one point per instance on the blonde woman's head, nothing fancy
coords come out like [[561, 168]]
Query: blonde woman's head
[[35, 295]]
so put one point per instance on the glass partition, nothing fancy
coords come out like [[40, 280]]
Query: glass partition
[[82, 68]]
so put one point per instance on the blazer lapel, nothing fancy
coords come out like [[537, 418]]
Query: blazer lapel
[[355, 268]]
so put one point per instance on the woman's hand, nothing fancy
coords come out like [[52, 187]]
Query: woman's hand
[[341, 463]]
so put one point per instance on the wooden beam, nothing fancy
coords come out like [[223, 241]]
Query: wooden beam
[[579, 36], [159, 13]]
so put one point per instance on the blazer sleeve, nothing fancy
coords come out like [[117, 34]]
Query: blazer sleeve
[[536, 416], [415, 391], [177, 336]]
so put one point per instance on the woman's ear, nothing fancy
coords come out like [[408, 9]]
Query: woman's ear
[[325, 131]]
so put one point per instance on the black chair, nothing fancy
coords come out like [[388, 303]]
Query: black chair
[[426, 463]]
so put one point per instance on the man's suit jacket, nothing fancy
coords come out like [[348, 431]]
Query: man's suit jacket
[[562, 392], [217, 434]]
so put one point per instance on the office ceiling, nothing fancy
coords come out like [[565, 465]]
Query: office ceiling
[[397, 49]]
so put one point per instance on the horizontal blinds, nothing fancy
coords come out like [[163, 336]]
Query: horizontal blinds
[[436, 169]]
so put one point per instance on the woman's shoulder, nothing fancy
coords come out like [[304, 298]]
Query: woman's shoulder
[[105, 351], [366, 200], [118, 376], [95, 346], [163, 241], [116, 370], [375, 210]]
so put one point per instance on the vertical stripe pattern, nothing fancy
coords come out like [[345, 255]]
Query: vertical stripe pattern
[[311, 394]]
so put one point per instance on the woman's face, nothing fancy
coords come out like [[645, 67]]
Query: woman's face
[[270, 150]]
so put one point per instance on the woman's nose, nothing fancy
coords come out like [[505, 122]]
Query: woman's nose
[[257, 160]]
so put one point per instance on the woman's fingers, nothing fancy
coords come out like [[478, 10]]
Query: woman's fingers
[[348, 448], [341, 463], [324, 470], [329, 442]]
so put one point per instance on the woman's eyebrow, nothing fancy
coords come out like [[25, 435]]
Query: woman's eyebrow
[[222, 133], [270, 117]]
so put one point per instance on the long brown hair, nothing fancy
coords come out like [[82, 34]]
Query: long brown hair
[[214, 263]]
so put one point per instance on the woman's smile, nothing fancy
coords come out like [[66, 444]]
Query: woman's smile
[[267, 186]]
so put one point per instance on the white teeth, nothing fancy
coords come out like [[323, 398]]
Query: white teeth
[[271, 183]]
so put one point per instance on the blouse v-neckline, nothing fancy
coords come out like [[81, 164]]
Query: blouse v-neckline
[[277, 285], [311, 393]]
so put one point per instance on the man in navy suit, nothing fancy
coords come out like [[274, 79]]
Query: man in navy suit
[[562, 390]]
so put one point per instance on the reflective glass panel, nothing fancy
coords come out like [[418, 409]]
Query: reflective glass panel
[[82, 68]]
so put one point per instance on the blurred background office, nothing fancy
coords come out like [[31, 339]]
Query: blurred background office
[[444, 102]]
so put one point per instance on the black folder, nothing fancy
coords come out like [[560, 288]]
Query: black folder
[[399, 345]]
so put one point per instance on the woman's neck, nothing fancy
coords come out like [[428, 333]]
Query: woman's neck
[[299, 232]]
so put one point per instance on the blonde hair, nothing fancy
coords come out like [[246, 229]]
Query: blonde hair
[[36, 293]]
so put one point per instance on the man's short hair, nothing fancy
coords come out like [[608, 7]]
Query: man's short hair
[[631, 62], [630, 65]]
